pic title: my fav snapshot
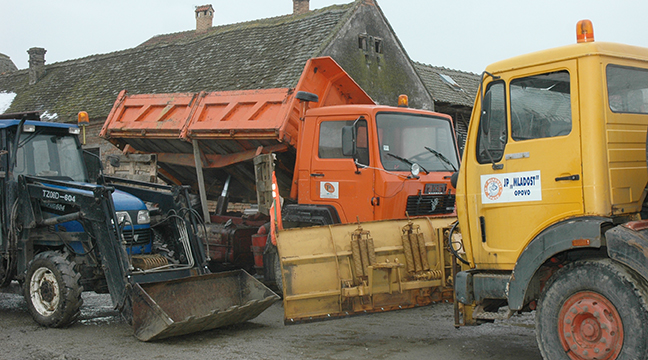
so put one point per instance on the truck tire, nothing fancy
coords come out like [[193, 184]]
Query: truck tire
[[52, 290], [593, 309]]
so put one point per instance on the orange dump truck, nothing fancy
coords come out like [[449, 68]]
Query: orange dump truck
[[338, 156]]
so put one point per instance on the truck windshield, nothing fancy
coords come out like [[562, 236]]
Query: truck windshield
[[408, 135], [48, 155]]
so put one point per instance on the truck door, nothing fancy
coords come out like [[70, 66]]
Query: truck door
[[526, 167], [335, 179]]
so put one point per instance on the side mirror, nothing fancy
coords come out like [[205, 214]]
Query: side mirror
[[348, 141], [306, 96], [454, 179]]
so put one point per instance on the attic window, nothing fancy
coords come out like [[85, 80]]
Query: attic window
[[450, 82], [362, 42], [378, 45]]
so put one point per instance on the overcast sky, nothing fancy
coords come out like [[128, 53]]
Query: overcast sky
[[460, 34]]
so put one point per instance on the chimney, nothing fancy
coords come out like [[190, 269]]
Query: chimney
[[301, 7], [36, 64], [204, 17]]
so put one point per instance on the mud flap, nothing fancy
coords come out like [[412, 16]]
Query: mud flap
[[182, 306], [340, 270]]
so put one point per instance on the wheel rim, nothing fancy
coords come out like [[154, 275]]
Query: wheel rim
[[44, 291], [590, 327]]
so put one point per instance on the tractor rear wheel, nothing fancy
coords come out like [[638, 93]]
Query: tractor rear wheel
[[593, 309], [52, 290]]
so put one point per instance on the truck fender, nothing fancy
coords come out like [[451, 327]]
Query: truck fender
[[628, 244], [555, 239]]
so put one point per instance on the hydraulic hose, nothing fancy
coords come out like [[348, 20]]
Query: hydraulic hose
[[451, 247]]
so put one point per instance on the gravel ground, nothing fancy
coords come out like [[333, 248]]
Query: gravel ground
[[421, 333]]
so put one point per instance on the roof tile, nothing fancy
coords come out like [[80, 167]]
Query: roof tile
[[260, 54]]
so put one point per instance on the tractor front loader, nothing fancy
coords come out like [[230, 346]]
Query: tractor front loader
[[62, 235]]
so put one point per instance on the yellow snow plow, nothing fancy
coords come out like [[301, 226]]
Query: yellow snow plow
[[341, 270]]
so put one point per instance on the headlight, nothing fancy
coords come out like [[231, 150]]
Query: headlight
[[143, 217], [416, 169], [123, 218]]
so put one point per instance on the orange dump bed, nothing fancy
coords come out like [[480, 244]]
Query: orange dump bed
[[229, 127], [249, 114]]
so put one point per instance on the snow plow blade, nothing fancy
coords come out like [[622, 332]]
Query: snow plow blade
[[342, 270], [197, 303]]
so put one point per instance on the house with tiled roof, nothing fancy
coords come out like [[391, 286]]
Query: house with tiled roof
[[453, 92], [259, 54]]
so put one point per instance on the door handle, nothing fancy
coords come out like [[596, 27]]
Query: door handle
[[317, 175], [568, 178], [375, 201]]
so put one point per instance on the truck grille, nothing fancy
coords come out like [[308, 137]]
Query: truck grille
[[142, 236], [430, 204]]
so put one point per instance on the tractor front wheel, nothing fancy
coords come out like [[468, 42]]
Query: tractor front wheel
[[52, 290]]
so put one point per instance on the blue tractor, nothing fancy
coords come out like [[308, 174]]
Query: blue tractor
[[63, 232]]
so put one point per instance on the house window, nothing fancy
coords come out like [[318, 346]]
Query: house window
[[378, 45], [362, 42]]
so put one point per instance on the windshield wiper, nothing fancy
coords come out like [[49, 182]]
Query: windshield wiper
[[407, 162], [441, 157]]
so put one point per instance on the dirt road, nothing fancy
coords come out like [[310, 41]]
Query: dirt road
[[422, 333]]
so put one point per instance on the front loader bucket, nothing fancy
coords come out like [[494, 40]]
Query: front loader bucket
[[183, 306]]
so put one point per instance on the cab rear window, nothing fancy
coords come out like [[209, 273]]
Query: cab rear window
[[627, 89]]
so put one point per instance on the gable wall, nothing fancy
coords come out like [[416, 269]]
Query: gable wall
[[384, 75]]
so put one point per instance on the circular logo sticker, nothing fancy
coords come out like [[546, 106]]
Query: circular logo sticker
[[329, 187], [493, 189]]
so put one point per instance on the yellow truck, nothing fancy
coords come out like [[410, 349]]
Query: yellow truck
[[549, 202], [550, 193]]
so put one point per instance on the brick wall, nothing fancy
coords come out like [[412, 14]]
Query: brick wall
[[204, 20], [301, 7]]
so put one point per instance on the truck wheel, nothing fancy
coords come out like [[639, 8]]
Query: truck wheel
[[594, 309], [52, 290]]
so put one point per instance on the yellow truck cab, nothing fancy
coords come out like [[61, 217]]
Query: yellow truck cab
[[549, 197]]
